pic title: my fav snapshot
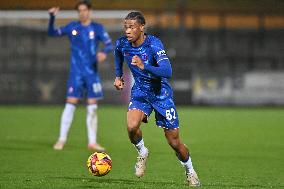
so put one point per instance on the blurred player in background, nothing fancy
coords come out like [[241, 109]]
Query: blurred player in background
[[84, 36], [151, 68]]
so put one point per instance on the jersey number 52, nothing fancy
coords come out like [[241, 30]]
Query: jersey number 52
[[171, 114]]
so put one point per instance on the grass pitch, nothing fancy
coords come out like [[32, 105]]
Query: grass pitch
[[230, 147]]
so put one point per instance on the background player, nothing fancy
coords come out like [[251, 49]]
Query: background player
[[84, 36], [147, 60]]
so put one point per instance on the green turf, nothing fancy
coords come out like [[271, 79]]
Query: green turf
[[231, 148]]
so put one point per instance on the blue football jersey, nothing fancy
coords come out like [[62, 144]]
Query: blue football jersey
[[84, 44], [151, 52], [149, 92]]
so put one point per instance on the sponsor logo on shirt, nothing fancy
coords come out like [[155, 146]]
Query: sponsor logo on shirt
[[162, 52]]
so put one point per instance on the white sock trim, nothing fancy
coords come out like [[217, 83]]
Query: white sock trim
[[141, 149], [188, 165]]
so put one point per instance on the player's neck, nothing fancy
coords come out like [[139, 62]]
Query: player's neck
[[86, 22], [139, 41]]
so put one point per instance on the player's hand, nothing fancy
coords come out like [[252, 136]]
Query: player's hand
[[118, 83], [101, 56], [136, 61], [54, 10]]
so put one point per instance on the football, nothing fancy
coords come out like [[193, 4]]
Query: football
[[99, 164]]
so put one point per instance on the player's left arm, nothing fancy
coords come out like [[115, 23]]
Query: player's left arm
[[163, 68], [108, 47]]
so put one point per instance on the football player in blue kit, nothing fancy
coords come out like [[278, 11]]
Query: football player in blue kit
[[151, 68], [84, 80]]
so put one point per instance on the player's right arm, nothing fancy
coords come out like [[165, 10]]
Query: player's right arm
[[52, 31], [118, 60]]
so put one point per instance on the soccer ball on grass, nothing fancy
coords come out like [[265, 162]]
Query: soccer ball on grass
[[99, 164]]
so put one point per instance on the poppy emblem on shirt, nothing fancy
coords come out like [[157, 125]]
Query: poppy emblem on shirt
[[144, 57], [74, 32], [91, 34]]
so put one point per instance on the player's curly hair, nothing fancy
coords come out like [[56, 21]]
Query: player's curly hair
[[88, 4], [135, 15]]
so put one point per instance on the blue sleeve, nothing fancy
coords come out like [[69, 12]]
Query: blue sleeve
[[105, 38], [163, 68], [118, 60], [52, 31]]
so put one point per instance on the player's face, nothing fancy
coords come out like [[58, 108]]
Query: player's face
[[133, 30], [83, 13]]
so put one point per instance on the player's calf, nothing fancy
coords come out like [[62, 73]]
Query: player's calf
[[183, 155]]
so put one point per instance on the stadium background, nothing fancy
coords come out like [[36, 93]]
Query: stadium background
[[222, 52]]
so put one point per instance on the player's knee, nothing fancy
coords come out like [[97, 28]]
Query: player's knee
[[72, 100], [132, 125]]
